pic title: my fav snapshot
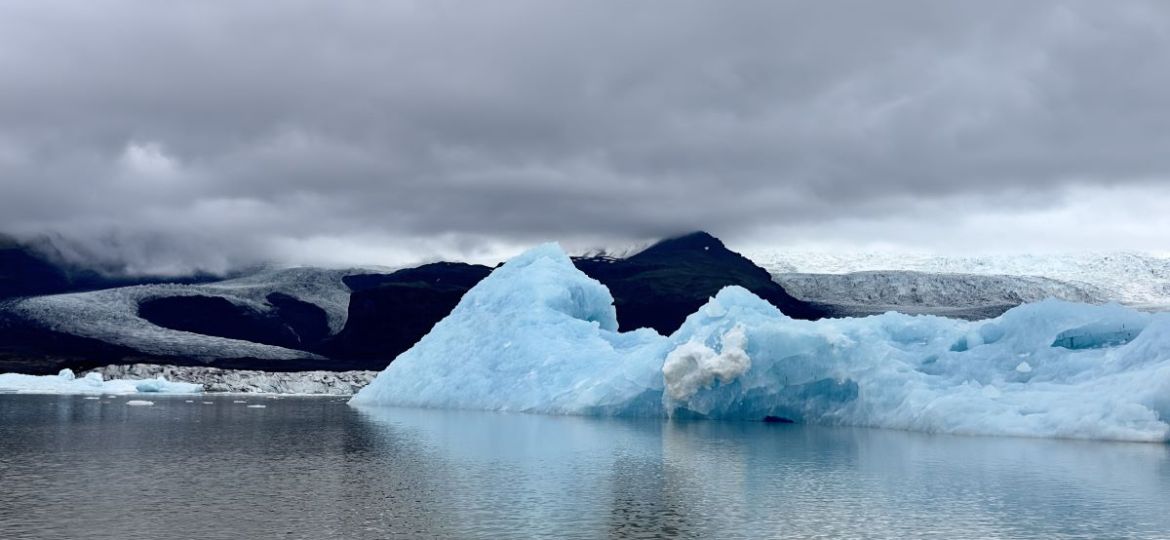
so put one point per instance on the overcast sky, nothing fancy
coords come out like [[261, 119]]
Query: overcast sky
[[211, 134]]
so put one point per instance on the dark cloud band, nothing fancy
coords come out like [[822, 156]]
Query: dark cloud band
[[219, 132]]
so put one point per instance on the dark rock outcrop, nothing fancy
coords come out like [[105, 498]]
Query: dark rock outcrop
[[290, 323], [663, 284], [308, 322], [389, 313]]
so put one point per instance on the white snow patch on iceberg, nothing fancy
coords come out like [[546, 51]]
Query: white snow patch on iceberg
[[539, 336], [66, 382]]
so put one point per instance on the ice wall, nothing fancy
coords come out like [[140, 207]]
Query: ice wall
[[539, 336]]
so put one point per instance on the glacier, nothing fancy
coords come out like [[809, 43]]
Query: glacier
[[1139, 280], [66, 382], [212, 379], [966, 296], [539, 336], [112, 315]]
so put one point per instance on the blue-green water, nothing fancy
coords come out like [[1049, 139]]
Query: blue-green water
[[317, 468]]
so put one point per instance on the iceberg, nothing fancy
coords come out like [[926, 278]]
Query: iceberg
[[536, 335], [66, 382], [539, 336]]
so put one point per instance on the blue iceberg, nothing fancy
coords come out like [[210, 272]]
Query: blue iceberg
[[539, 336]]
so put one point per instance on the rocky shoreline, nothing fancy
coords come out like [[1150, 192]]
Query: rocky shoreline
[[336, 383]]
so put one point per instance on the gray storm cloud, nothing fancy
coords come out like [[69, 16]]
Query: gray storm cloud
[[214, 134]]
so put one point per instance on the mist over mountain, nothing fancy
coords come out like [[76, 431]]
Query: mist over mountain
[[45, 265]]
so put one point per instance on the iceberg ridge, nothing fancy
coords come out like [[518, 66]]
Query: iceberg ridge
[[539, 336]]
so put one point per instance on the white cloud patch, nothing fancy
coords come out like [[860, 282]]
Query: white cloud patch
[[148, 161]]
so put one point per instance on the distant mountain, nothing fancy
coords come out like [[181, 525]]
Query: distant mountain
[[308, 318], [389, 313], [35, 268], [655, 288], [53, 315], [663, 284], [24, 272]]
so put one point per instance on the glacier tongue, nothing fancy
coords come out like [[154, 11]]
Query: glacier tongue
[[539, 336]]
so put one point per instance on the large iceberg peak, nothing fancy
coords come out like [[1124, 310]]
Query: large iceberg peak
[[535, 335], [548, 280]]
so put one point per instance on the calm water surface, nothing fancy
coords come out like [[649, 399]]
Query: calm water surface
[[316, 468]]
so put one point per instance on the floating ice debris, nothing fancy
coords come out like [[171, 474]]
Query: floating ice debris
[[256, 406], [139, 403], [161, 385], [66, 382]]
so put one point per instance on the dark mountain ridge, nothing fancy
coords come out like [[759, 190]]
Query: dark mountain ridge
[[388, 312], [663, 284], [33, 268]]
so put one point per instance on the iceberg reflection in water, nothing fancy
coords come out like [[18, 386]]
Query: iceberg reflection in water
[[636, 478], [316, 468]]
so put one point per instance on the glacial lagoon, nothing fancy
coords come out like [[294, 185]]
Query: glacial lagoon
[[316, 468]]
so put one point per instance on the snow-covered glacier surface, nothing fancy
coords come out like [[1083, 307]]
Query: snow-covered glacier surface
[[1137, 279], [93, 383], [924, 289], [111, 315], [539, 336]]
